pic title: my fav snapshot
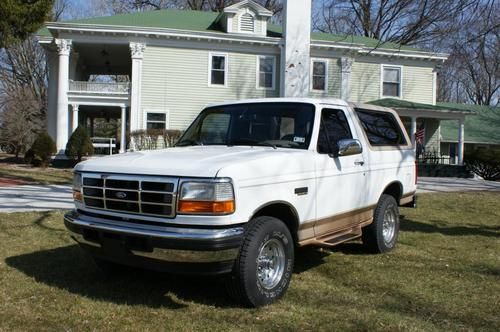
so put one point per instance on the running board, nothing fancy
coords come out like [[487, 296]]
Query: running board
[[333, 239]]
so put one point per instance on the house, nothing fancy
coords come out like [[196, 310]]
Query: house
[[481, 131], [177, 62]]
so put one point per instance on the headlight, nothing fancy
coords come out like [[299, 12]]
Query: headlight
[[206, 197], [77, 187]]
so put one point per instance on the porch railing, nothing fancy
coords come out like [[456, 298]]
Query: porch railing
[[99, 87], [103, 144]]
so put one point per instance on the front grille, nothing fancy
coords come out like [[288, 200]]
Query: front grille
[[144, 195]]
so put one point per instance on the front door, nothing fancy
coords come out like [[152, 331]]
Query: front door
[[341, 181]]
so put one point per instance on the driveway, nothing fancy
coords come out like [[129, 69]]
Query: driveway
[[427, 185], [26, 198]]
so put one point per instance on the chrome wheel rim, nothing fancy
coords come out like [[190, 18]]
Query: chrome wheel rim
[[270, 263], [389, 224]]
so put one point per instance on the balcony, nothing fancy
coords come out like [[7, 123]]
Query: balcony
[[99, 88]]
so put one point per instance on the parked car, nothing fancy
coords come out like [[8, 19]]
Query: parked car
[[246, 185]]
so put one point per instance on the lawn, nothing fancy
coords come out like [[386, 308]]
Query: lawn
[[444, 275], [10, 170]]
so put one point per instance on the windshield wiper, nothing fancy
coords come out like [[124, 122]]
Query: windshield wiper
[[251, 142]]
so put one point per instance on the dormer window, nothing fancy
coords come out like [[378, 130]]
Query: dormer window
[[247, 23]]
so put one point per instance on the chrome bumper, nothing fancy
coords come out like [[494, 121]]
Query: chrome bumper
[[170, 244]]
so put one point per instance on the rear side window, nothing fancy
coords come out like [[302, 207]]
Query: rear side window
[[333, 128], [381, 128]]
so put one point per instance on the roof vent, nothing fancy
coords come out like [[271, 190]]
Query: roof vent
[[247, 23]]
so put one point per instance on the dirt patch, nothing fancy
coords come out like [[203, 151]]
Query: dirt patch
[[5, 182]]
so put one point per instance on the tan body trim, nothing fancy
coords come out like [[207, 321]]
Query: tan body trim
[[319, 231], [407, 198]]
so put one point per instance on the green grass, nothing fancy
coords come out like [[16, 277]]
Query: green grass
[[444, 275], [35, 175]]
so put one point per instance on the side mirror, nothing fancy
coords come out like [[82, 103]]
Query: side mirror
[[349, 147]]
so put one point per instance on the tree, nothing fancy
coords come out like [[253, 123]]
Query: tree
[[43, 148], [79, 144], [406, 22], [472, 73], [20, 119], [21, 18]]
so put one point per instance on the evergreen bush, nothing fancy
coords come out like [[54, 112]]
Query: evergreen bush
[[42, 150], [79, 144]]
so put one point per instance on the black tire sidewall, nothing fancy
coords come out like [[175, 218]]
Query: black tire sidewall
[[267, 228], [385, 203]]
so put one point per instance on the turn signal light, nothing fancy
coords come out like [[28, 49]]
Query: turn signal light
[[224, 207], [77, 196]]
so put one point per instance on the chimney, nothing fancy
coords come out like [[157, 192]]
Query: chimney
[[295, 55]]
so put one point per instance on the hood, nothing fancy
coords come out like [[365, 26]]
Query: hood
[[193, 161]]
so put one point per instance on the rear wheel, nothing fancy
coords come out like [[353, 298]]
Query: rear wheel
[[382, 234], [262, 272]]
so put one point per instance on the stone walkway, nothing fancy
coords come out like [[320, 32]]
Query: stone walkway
[[427, 184], [26, 198]]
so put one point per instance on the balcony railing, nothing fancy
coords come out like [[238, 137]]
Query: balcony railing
[[99, 87]]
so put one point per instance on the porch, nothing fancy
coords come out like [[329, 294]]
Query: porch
[[422, 122]]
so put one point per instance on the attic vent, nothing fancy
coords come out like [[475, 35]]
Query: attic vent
[[246, 23]]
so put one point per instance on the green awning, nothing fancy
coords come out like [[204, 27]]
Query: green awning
[[408, 105]]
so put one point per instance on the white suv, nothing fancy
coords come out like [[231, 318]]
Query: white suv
[[247, 184]]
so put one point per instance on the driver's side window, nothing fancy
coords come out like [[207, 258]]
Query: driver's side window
[[333, 128]]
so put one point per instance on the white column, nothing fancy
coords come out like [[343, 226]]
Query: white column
[[295, 64], [75, 117], [413, 131], [461, 141], [137, 53], [64, 49], [51, 116], [346, 68], [123, 130]]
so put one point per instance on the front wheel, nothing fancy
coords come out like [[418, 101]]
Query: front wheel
[[263, 270], [382, 234]]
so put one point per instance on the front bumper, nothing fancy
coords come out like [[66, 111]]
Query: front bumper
[[173, 249]]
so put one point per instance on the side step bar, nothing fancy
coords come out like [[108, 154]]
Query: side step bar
[[333, 239]]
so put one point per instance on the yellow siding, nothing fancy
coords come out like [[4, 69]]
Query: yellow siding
[[175, 80], [417, 84], [365, 81]]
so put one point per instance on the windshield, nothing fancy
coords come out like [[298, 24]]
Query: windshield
[[287, 125]]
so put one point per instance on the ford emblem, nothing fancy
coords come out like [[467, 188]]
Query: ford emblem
[[121, 195]]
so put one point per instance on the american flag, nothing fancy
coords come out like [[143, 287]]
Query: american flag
[[420, 135]]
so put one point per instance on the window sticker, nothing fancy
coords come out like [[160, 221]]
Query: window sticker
[[298, 139]]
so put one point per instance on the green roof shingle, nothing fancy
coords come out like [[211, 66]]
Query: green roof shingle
[[205, 21], [399, 103], [481, 128]]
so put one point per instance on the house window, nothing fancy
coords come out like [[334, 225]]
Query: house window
[[391, 81], [218, 69], [319, 80], [156, 121], [266, 69], [247, 23]]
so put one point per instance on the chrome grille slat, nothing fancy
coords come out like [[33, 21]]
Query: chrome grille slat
[[132, 201]]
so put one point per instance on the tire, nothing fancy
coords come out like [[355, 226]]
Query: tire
[[264, 266], [382, 234]]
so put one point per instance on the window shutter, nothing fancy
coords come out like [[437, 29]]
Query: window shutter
[[246, 23]]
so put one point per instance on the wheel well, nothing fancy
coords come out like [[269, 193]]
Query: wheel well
[[284, 212], [395, 189]]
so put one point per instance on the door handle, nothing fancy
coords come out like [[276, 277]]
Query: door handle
[[359, 162]]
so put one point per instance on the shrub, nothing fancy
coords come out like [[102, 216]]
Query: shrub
[[485, 163], [152, 139], [42, 149], [79, 144]]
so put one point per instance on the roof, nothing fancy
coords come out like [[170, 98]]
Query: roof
[[408, 105], [205, 22], [482, 128]]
